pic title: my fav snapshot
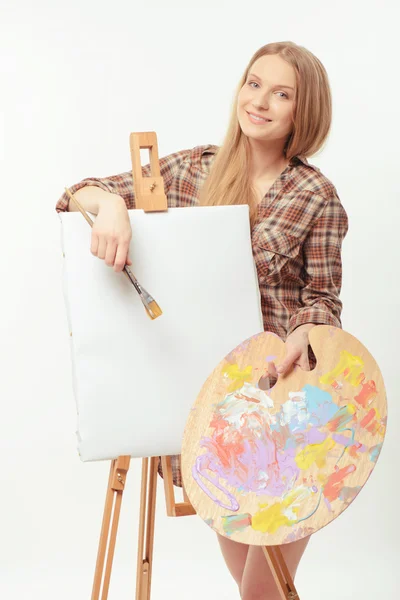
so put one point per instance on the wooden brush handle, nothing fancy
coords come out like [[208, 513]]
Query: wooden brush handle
[[80, 207]]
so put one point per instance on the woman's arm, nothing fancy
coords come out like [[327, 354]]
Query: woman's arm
[[323, 269], [92, 190], [91, 198], [320, 296], [109, 198], [121, 185]]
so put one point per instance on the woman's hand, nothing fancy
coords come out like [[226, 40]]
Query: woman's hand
[[296, 347], [112, 233]]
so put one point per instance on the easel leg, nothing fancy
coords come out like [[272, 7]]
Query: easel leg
[[280, 573], [146, 528], [116, 483]]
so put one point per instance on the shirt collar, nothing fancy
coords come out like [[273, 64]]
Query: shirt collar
[[301, 158]]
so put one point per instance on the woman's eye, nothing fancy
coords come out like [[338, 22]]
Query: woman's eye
[[250, 83]]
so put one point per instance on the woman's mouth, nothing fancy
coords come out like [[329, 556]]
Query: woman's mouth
[[257, 120]]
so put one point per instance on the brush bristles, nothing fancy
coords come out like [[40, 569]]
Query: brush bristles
[[154, 310]]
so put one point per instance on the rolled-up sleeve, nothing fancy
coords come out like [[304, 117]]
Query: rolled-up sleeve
[[122, 184], [319, 297], [108, 184]]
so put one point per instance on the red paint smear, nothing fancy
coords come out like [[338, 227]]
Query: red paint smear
[[334, 424], [373, 428], [223, 449], [361, 378], [335, 482], [280, 437], [249, 418], [368, 418], [220, 445], [218, 423], [368, 391], [234, 523], [343, 417], [352, 450], [243, 397], [227, 445]]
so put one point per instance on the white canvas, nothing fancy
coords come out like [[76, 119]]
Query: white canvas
[[135, 379]]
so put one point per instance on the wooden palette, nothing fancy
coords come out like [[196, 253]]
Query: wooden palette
[[271, 466]]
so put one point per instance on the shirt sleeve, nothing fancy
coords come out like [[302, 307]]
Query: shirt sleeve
[[319, 297], [122, 184]]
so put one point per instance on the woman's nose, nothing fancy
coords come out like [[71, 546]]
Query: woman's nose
[[261, 103], [261, 99]]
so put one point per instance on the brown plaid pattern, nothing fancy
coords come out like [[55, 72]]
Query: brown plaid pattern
[[296, 239]]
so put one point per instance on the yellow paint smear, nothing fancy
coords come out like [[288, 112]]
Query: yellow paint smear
[[238, 376], [270, 518], [314, 453], [349, 367]]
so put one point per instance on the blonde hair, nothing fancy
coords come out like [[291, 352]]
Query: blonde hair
[[228, 181]]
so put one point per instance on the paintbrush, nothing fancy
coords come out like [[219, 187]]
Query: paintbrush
[[151, 306]]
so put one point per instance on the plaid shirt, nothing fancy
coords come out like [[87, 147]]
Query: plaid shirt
[[296, 238]]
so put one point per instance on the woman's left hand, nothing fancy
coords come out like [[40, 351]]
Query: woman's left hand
[[296, 347]]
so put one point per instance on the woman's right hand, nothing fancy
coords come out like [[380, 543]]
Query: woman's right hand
[[112, 233]]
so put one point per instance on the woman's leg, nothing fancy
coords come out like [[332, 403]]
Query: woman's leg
[[257, 580], [235, 555]]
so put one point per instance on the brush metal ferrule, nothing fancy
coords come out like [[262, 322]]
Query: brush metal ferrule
[[144, 295], [133, 279]]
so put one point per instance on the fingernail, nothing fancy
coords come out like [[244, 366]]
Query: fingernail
[[279, 369]]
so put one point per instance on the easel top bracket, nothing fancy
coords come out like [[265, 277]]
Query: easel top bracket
[[149, 191]]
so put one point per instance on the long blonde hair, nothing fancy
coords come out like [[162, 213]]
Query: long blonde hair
[[228, 181]]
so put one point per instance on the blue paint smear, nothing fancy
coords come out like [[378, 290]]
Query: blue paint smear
[[375, 451], [320, 405]]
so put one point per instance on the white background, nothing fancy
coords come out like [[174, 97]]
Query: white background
[[76, 79]]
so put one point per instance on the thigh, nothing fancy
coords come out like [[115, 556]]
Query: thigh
[[235, 555], [257, 577], [293, 552]]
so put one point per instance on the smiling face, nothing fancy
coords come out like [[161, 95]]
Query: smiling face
[[268, 92]]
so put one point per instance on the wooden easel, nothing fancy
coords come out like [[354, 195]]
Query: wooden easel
[[150, 196], [116, 483]]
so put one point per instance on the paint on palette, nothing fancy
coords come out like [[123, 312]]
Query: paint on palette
[[254, 448], [375, 451], [298, 534]]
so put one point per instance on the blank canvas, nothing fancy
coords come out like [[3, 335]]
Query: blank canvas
[[134, 379]]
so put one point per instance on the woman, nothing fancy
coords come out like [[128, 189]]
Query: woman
[[282, 114]]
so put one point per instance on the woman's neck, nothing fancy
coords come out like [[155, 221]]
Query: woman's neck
[[266, 163]]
